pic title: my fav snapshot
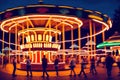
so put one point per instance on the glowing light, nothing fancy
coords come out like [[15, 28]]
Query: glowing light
[[107, 27], [108, 44], [28, 38], [32, 37], [39, 37], [38, 29], [66, 7], [95, 17], [40, 17], [47, 37]]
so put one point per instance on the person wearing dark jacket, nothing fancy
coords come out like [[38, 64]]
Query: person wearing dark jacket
[[14, 66], [44, 66], [56, 63], [83, 64], [28, 66], [109, 62]]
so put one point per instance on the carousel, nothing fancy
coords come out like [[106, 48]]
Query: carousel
[[43, 29], [112, 43]]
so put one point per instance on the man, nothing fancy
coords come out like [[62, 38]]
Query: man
[[109, 62], [28, 66], [56, 65], [83, 64], [14, 66], [44, 66], [92, 66], [118, 63], [72, 66]]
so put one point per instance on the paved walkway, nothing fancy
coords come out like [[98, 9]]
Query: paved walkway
[[5, 74]]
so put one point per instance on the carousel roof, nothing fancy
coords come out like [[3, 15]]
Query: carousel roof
[[114, 38], [74, 46], [90, 43], [7, 48], [43, 15]]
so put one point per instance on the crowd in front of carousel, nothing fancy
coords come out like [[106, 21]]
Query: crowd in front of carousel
[[94, 61]]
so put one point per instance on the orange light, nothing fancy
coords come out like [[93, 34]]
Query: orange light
[[95, 17]]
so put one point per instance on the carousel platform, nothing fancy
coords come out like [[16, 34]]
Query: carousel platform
[[38, 66]]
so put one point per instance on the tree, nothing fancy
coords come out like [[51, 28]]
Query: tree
[[116, 20]]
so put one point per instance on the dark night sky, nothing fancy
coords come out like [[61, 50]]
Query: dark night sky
[[103, 6]]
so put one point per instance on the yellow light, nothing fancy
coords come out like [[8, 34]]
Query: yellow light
[[28, 39], [40, 17], [38, 29], [47, 37], [50, 38], [41, 5], [107, 27], [32, 37], [39, 37], [14, 8], [66, 7], [95, 17], [88, 11]]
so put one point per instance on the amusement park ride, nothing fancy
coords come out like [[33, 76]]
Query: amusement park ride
[[41, 30]]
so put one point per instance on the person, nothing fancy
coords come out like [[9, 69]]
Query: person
[[92, 66], [44, 66], [83, 64], [14, 66], [56, 62], [28, 66], [118, 63], [103, 61], [98, 60], [109, 62], [72, 66], [5, 61]]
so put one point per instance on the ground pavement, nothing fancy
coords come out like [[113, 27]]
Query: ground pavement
[[5, 74]]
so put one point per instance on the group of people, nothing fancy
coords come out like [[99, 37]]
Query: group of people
[[28, 66], [108, 63]]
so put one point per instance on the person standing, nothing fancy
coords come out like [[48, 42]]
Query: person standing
[[92, 66], [56, 63], [118, 63], [103, 61], [83, 64], [72, 66], [109, 62], [28, 66], [14, 66], [44, 66], [98, 60]]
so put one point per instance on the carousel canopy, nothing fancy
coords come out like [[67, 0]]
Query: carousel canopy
[[90, 43], [114, 40], [6, 49], [108, 44], [74, 46]]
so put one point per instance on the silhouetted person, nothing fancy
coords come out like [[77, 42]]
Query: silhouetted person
[[109, 62], [44, 66], [72, 66], [56, 63], [28, 67], [103, 61], [118, 63], [83, 64], [98, 60], [14, 66], [92, 66], [5, 61]]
